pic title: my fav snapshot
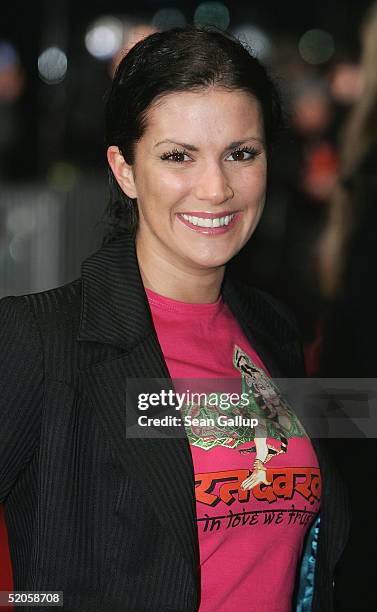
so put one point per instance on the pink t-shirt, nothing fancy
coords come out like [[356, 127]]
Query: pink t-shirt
[[250, 535]]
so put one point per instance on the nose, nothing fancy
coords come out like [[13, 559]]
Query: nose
[[212, 185]]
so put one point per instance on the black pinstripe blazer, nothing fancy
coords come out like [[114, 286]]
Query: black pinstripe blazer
[[109, 521]]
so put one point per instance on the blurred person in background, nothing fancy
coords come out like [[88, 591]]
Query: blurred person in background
[[138, 524], [347, 253], [348, 279]]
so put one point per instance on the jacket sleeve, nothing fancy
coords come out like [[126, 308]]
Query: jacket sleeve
[[21, 389]]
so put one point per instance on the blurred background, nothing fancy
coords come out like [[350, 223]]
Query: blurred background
[[56, 63]]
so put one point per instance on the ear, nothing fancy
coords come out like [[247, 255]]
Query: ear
[[122, 171]]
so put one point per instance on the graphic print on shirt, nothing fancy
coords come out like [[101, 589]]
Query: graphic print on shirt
[[251, 536], [258, 484]]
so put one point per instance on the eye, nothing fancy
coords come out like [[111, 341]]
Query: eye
[[175, 156], [251, 151]]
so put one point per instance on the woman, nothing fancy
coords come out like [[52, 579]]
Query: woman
[[144, 522]]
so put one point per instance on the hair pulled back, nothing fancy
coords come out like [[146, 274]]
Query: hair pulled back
[[191, 58]]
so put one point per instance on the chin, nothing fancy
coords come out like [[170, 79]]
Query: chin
[[212, 255], [212, 261]]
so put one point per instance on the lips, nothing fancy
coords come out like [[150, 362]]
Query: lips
[[209, 223]]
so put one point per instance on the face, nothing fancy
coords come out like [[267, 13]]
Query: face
[[199, 178]]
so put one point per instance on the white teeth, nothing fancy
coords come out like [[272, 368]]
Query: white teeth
[[205, 222]]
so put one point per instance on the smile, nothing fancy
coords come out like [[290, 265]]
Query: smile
[[208, 223]]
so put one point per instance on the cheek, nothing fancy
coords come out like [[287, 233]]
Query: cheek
[[159, 193], [165, 184], [254, 184], [254, 197]]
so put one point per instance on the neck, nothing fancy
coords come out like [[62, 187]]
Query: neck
[[191, 285]]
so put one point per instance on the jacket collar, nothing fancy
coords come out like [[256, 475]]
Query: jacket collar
[[115, 307]]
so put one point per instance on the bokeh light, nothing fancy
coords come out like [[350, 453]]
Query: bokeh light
[[11, 75], [212, 13], [63, 176], [346, 82], [52, 65], [132, 35], [166, 18], [104, 37], [320, 171], [19, 248], [316, 46], [8, 55], [252, 37], [311, 112], [21, 220]]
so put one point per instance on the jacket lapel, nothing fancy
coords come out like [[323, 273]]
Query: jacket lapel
[[244, 311], [115, 311]]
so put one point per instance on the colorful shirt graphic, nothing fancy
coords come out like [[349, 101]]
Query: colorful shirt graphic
[[251, 516]]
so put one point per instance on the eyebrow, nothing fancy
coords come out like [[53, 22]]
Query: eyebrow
[[232, 145]]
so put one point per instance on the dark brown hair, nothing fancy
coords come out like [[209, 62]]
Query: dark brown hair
[[191, 58]]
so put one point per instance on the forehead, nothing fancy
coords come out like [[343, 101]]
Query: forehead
[[210, 114]]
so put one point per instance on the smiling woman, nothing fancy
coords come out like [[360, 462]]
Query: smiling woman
[[220, 508], [199, 204]]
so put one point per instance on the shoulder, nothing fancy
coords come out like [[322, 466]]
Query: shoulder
[[56, 301], [47, 309], [42, 327]]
